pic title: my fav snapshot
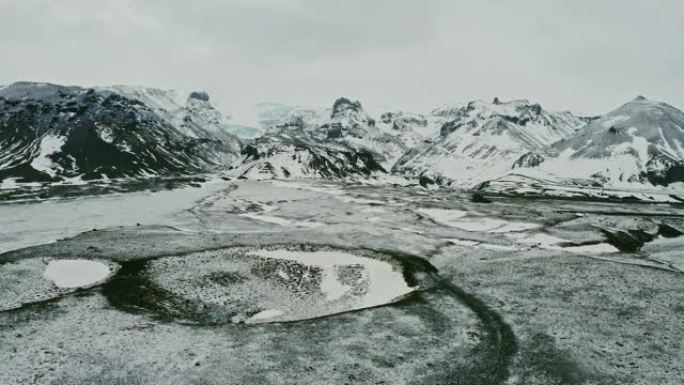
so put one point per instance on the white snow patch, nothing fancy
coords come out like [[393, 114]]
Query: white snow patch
[[9, 184], [598, 248], [385, 283], [540, 239], [609, 122], [459, 220], [493, 225], [50, 144], [75, 273], [445, 217], [483, 245], [105, 133], [261, 216], [264, 315]]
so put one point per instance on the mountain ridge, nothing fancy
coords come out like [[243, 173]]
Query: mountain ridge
[[54, 133]]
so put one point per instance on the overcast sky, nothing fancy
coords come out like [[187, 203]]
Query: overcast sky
[[588, 56]]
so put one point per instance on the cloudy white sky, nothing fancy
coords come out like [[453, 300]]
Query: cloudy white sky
[[588, 56]]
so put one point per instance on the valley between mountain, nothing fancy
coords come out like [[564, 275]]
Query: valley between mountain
[[228, 283]]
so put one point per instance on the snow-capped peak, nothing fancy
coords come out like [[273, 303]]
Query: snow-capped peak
[[349, 118], [639, 143], [344, 106], [483, 140], [642, 127]]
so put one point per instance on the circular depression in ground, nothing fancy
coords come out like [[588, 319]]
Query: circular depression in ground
[[28, 281], [256, 285]]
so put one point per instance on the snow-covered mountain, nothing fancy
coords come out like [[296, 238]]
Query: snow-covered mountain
[[410, 128], [53, 133], [482, 141], [284, 156], [639, 145], [341, 141], [50, 133], [276, 117]]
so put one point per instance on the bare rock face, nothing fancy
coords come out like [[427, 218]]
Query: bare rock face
[[529, 160], [343, 106], [199, 95]]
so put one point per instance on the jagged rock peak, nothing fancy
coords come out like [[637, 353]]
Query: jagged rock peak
[[343, 104], [199, 95], [530, 159]]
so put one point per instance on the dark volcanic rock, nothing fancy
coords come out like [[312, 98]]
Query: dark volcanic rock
[[199, 95], [529, 160], [51, 132], [342, 105]]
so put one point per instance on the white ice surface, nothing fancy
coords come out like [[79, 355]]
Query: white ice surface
[[264, 315], [460, 220], [539, 239], [444, 216], [74, 273], [281, 221], [386, 283], [599, 248], [30, 224]]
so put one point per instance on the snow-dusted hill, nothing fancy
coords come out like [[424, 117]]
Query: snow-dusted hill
[[482, 141], [642, 141], [284, 156], [342, 141], [51, 133], [348, 123], [638, 146]]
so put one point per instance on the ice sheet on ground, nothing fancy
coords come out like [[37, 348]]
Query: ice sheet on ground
[[385, 283], [29, 224], [461, 220], [598, 248], [74, 273], [281, 221], [540, 239], [483, 245], [264, 315], [444, 216]]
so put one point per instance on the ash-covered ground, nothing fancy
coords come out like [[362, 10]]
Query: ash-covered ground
[[314, 282]]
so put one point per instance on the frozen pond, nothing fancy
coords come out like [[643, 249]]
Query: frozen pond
[[75, 273], [236, 285], [29, 224], [385, 283]]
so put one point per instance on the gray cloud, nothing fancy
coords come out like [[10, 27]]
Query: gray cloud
[[589, 56]]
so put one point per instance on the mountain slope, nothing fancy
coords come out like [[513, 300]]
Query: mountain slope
[[50, 133], [282, 156], [642, 141], [343, 141], [481, 141], [640, 145]]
